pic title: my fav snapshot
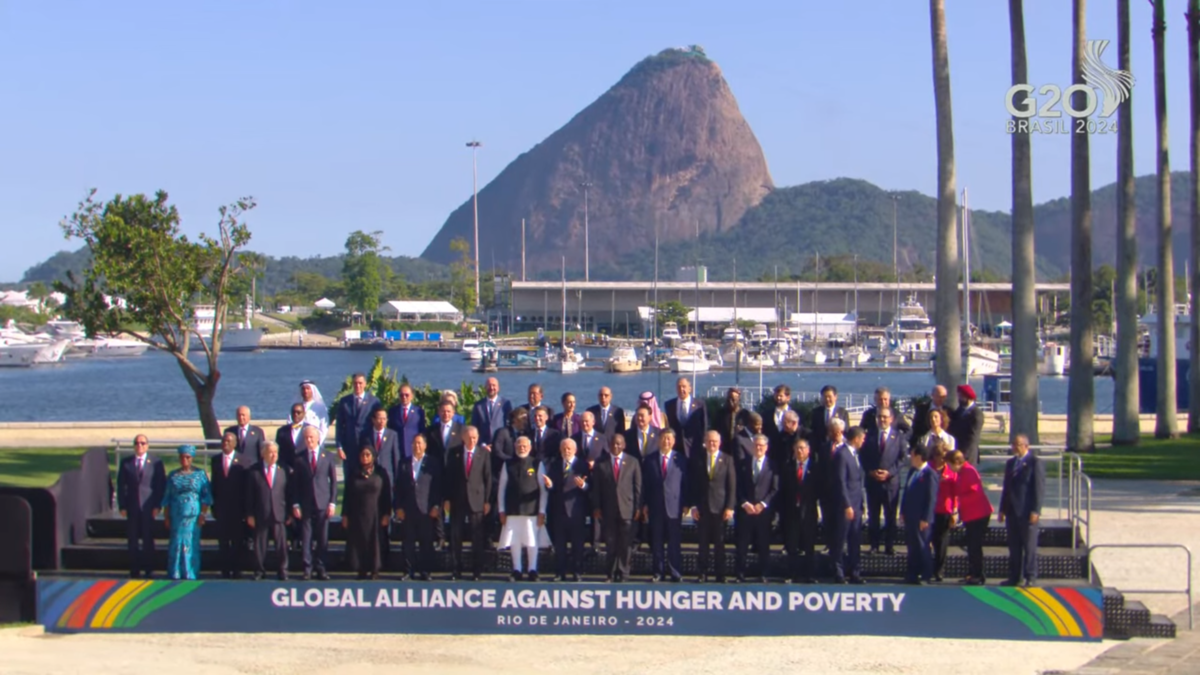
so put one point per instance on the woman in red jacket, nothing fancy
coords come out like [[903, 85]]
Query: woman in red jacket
[[975, 512], [943, 512]]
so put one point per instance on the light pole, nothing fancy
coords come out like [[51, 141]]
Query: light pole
[[586, 252], [474, 146], [895, 258]]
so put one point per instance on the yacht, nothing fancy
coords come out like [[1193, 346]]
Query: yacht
[[670, 333], [759, 334], [104, 347], [624, 360], [732, 335], [17, 354], [981, 361], [688, 358], [836, 340], [471, 350], [1054, 359], [757, 360], [856, 355], [911, 332], [67, 330], [564, 361], [814, 356], [240, 337]]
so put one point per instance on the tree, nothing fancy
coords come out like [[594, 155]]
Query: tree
[[671, 310], [362, 271], [462, 277], [140, 255], [1165, 423], [1127, 428], [948, 331], [1193, 19], [1081, 392], [1024, 267], [250, 267]]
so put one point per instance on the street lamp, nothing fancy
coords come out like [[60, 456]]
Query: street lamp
[[474, 146], [586, 252]]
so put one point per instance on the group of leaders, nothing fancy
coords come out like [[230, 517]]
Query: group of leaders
[[526, 478]]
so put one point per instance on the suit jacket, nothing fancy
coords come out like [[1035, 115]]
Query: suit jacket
[[565, 499], [869, 424], [615, 424], [407, 427], [547, 448], [426, 492], [1024, 487], [780, 447], [769, 427], [251, 445], [436, 446], [504, 448], [891, 458], [596, 449], [666, 495], [619, 498], [717, 493], [352, 420], [728, 422], [689, 433], [288, 440], [137, 493], [529, 410], [817, 430], [559, 422], [756, 491], [229, 492], [920, 496], [313, 491], [489, 418], [633, 437], [798, 493], [847, 480], [388, 454], [742, 447], [468, 492], [267, 504], [966, 427]]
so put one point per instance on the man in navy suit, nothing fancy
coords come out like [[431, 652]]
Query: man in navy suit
[[610, 419], [641, 439], [267, 511], [444, 437], [314, 496], [774, 417], [714, 482], [822, 415], [665, 488], [688, 417], [353, 419], [250, 437], [847, 501], [567, 484], [1020, 510], [141, 482], [757, 484], [798, 511], [882, 460], [534, 397], [407, 420], [920, 498], [418, 493], [545, 438], [490, 415], [228, 471]]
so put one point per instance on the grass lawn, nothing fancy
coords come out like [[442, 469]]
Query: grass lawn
[[36, 467], [1153, 459]]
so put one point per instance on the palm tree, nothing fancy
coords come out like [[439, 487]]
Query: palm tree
[[1193, 19], [1165, 423], [1024, 344], [1126, 424], [949, 337], [1081, 392]]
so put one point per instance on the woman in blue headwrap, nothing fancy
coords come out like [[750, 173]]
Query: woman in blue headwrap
[[185, 504]]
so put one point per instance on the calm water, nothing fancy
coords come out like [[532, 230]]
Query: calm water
[[152, 388]]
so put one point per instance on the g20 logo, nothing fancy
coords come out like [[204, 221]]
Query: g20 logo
[[1104, 90]]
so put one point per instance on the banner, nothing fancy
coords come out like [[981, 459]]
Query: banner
[[985, 612]]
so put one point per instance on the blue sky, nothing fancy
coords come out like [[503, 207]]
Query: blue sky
[[353, 115]]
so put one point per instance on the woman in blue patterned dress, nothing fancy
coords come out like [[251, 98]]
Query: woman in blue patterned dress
[[185, 503]]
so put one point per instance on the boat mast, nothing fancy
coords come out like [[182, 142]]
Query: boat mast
[[563, 340], [654, 314], [966, 267], [855, 299], [737, 344], [699, 342]]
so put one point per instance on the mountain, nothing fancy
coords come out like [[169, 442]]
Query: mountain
[[666, 147]]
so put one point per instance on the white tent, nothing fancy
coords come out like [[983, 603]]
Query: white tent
[[325, 303], [420, 310]]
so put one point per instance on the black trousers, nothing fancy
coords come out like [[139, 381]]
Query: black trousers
[[712, 540], [418, 542], [666, 545], [1022, 548], [314, 528], [885, 502], [231, 544], [976, 529], [845, 542], [568, 531], [277, 531], [800, 538], [618, 538], [941, 542], [139, 529], [473, 522], [756, 530]]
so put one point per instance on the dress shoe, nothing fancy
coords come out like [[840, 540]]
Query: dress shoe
[[374, 576], [323, 575], [1010, 582], [517, 576], [702, 579], [656, 578], [475, 577], [857, 581], [620, 577], [840, 580], [282, 577], [258, 576], [675, 579], [362, 576], [575, 578], [722, 580], [761, 580], [456, 576], [976, 582], [307, 576], [533, 575], [937, 578], [741, 579], [1030, 583], [608, 579], [914, 582]]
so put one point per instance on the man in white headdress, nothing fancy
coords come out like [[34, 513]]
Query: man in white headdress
[[315, 411], [522, 506]]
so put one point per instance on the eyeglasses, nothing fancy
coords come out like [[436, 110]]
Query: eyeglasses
[[140, 443]]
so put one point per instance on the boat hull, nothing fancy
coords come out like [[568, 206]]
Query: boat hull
[[688, 365]]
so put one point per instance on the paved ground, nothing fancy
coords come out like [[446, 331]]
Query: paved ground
[[1180, 656]]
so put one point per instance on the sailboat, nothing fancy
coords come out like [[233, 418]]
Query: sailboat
[[565, 361], [816, 355], [979, 361]]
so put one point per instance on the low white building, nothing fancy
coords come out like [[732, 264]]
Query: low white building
[[419, 310]]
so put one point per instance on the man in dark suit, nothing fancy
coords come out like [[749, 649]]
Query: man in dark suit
[[617, 500], [314, 485], [743, 449], [883, 399], [882, 460], [782, 443], [567, 484], [642, 439], [250, 437], [490, 414], [287, 437], [665, 484], [966, 424], [920, 498], [418, 504], [388, 456], [568, 421], [845, 543], [1020, 511], [353, 419], [610, 419], [714, 480], [533, 397], [798, 511], [688, 416], [228, 471], [757, 484], [592, 443], [773, 418], [468, 486], [141, 481], [920, 425], [444, 437], [544, 437], [407, 420], [267, 510], [731, 419], [819, 418]]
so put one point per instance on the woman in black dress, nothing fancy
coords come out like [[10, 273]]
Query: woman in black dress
[[366, 509]]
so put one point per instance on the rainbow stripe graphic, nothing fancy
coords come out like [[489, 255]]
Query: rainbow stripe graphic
[[1056, 612], [108, 603]]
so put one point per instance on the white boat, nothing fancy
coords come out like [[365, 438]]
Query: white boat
[[732, 335], [471, 350], [106, 348], [18, 354], [66, 330], [624, 360], [240, 337], [759, 334], [688, 358], [815, 356], [1054, 359], [981, 361], [836, 340], [894, 357], [564, 362], [911, 333], [670, 333], [759, 360], [857, 355], [780, 349]]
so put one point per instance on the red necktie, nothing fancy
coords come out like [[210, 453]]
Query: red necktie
[[378, 441], [314, 462], [469, 457], [404, 417], [616, 470], [270, 483], [227, 466], [664, 470], [799, 480]]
